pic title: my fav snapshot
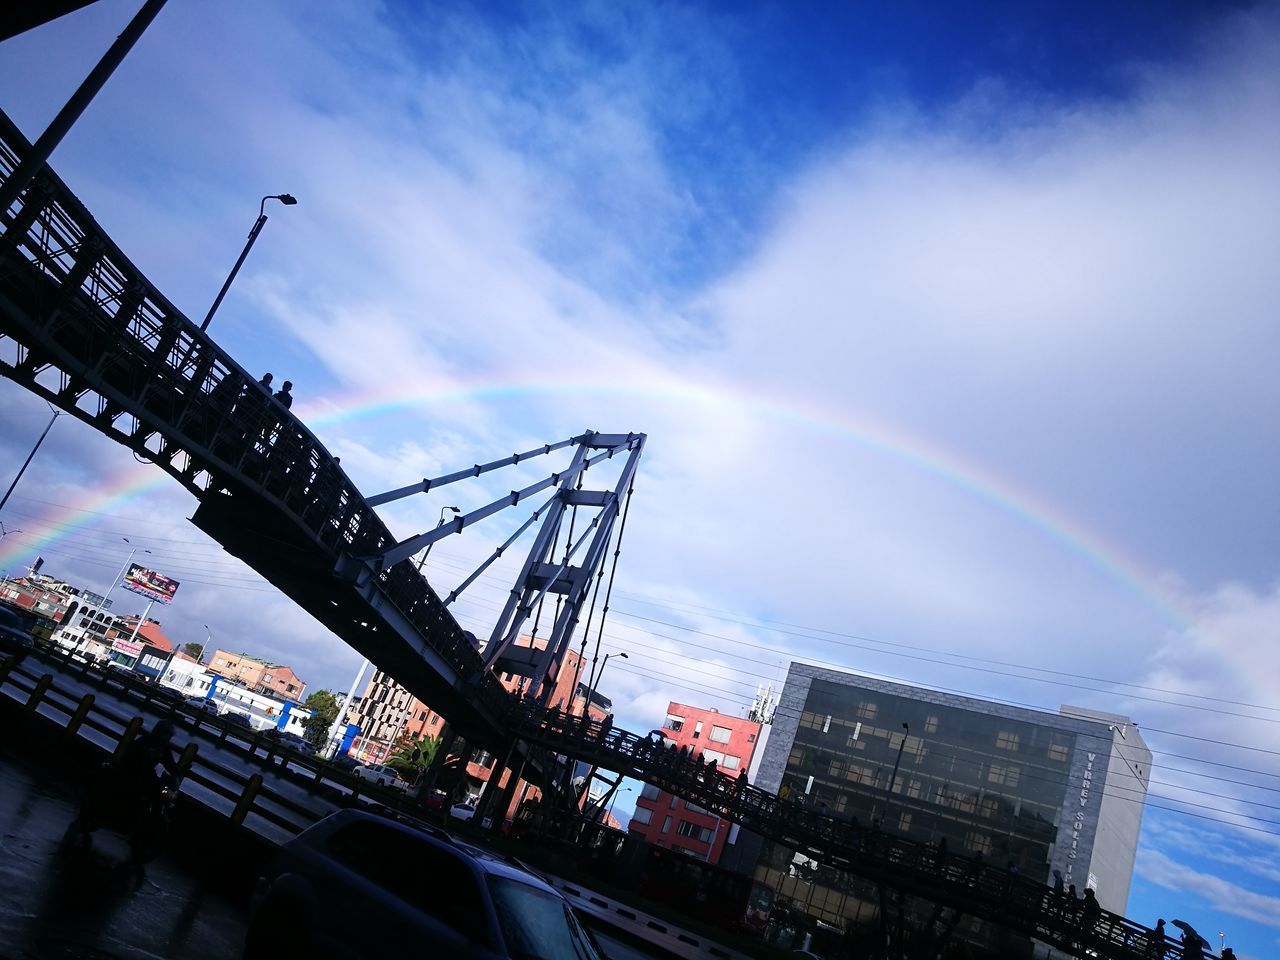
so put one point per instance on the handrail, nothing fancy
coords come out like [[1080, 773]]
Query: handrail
[[80, 305], [917, 868]]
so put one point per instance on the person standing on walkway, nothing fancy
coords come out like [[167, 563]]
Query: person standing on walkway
[[1157, 948], [283, 396]]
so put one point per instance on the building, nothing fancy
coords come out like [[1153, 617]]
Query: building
[[261, 676], [666, 820], [387, 712], [139, 646], [187, 675], [1037, 790]]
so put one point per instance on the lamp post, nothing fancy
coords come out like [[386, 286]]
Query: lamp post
[[439, 524], [894, 779], [586, 708], [614, 799], [208, 639], [123, 570], [288, 200], [23, 469]]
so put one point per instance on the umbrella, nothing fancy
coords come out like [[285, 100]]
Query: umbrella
[[1189, 934]]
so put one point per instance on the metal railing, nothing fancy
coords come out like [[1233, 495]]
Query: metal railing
[[919, 869], [91, 334], [246, 793]]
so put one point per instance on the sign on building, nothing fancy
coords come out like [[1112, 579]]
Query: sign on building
[[150, 584]]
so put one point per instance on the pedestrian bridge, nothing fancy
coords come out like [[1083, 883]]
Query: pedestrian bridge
[[83, 328]]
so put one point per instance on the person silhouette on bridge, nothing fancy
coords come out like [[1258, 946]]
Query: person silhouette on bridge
[[1157, 946], [283, 396]]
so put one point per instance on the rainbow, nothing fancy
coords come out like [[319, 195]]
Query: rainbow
[[136, 482]]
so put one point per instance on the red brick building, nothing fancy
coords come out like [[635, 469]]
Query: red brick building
[[387, 712], [668, 821]]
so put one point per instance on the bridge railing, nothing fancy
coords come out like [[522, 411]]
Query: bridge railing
[[911, 866], [129, 362]]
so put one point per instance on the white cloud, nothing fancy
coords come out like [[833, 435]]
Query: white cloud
[[1216, 892]]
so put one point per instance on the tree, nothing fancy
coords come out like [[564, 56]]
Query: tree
[[324, 710], [411, 756], [194, 650]]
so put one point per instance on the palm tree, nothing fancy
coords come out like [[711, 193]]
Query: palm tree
[[411, 756]]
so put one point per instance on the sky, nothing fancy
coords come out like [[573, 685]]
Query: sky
[[952, 329]]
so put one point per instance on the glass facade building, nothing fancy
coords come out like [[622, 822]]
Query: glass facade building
[[1035, 790]]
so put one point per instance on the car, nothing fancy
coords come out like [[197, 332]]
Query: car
[[344, 761], [463, 811], [361, 885], [237, 719], [15, 638], [380, 774], [436, 800], [292, 741], [201, 703]]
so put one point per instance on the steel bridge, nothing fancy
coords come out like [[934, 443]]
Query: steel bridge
[[83, 328]]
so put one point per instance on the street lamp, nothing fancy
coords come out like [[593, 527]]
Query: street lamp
[[123, 570], [288, 200], [26, 463], [894, 779], [439, 524], [208, 639], [586, 708], [614, 799]]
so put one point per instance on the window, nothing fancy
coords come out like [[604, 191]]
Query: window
[[642, 815], [720, 734], [697, 729], [1009, 776], [931, 725], [977, 842], [674, 723], [716, 755], [422, 716], [904, 822], [674, 800], [221, 662], [1007, 740], [730, 762], [666, 824], [1058, 750], [694, 808], [434, 720], [867, 711], [650, 792], [267, 678], [687, 828]]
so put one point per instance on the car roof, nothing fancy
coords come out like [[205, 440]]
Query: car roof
[[483, 860]]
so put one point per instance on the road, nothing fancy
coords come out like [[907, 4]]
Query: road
[[58, 900]]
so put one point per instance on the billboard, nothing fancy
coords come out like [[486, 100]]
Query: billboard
[[150, 584]]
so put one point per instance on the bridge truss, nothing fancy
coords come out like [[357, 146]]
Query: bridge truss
[[83, 328]]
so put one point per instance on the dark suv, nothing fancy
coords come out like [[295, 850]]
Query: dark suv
[[15, 638], [361, 885]]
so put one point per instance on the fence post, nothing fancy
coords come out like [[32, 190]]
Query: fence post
[[42, 686], [246, 799], [126, 738], [82, 711], [187, 758]]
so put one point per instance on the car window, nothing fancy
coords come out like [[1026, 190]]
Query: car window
[[434, 880], [9, 619], [537, 925]]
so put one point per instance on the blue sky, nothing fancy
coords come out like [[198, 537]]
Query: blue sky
[[953, 331]]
